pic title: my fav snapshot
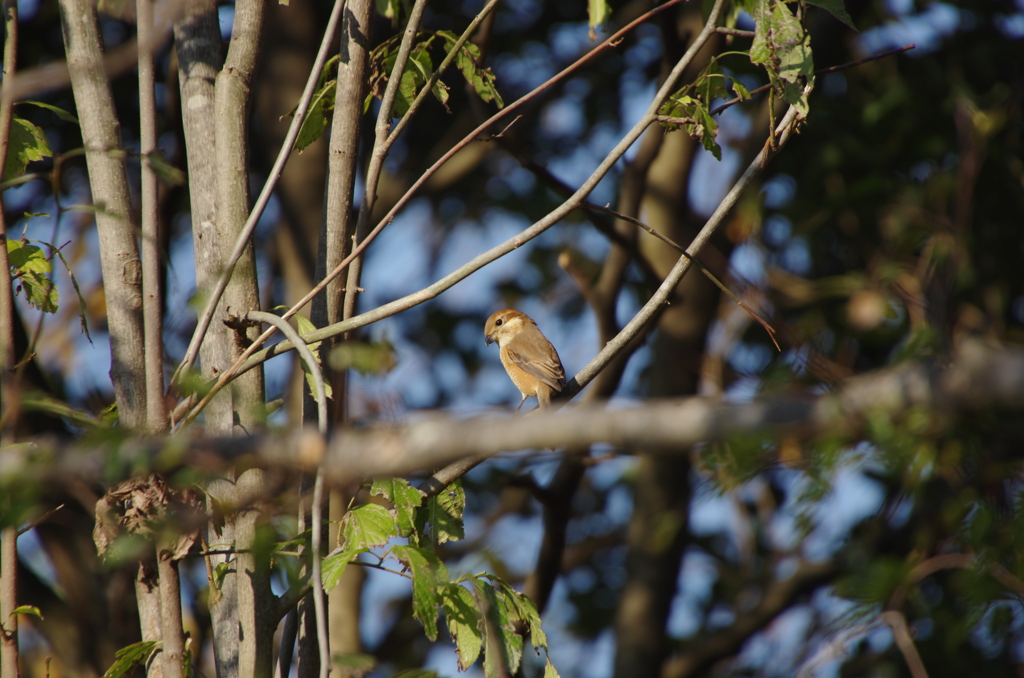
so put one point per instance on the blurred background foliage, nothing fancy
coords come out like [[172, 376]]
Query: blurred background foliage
[[888, 230]]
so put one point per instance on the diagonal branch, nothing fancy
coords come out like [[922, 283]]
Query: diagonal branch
[[244, 362]]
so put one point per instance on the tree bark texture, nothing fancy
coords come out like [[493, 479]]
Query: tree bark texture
[[215, 109], [334, 242], [116, 226]]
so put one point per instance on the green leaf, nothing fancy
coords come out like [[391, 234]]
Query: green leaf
[[355, 664], [742, 92], [366, 357], [315, 122], [703, 125], [417, 71], [220, 573], [25, 257], [503, 646], [82, 319], [835, 8], [793, 94], [27, 144], [443, 514], [367, 525], [320, 106], [165, 171], [131, 656], [305, 326], [30, 266], [598, 12], [26, 609], [550, 671], [416, 673], [712, 84], [705, 129], [428, 575], [783, 47], [61, 113], [525, 611], [761, 47], [405, 499], [391, 9], [464, 623], [792, 44], [480, 79], [333, 566]]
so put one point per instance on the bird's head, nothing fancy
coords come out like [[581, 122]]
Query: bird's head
[[504, 325]]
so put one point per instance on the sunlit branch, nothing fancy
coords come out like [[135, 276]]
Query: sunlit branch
[[246, 362], [649, 311], [261, 202], [152, 298]]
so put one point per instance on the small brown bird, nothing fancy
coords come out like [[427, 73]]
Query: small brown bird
[[529, 358]]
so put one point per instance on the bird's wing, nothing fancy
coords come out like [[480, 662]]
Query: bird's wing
[[536, 356]]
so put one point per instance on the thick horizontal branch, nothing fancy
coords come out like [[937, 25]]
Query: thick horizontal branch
[[977, 376]]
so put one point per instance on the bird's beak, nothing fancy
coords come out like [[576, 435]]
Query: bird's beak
[[489, 339]]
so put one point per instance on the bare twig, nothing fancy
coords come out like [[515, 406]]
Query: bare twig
[[245, 362], [38, 521], [711, 276], [722, 30], [660, 297], [672, 120], [835, 648], [901, 633]]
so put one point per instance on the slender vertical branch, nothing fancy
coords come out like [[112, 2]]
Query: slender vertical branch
[[10, 9], [8, 602], [173, 647], [318, 488], [152, 305], [147, 597], [343, 163], [381, 146], [337, 225]]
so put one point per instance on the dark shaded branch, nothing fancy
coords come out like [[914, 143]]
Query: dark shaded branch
[[698, 655]]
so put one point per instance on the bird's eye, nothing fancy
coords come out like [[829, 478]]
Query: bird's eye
[[498, 321]]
